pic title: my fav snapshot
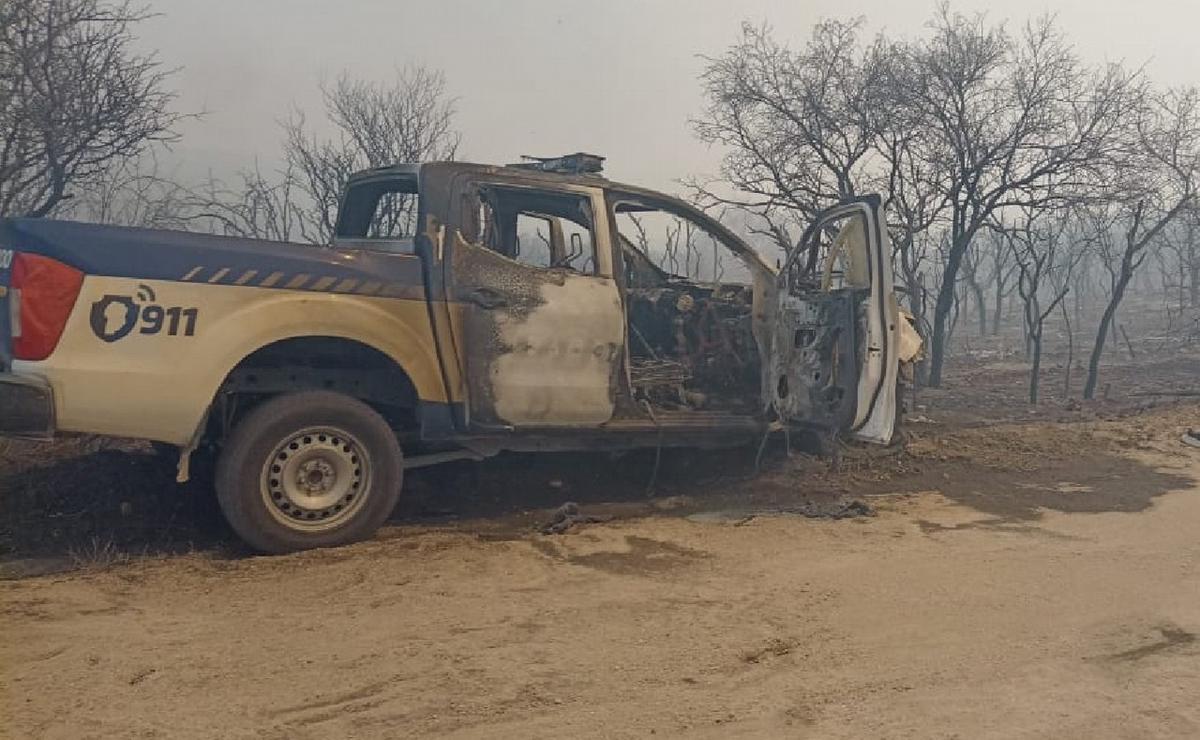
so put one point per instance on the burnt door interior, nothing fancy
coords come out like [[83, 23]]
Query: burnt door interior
[[833, 361], [690, 304]]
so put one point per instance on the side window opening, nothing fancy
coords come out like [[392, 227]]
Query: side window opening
[[535, 235], [536, 228], [379, 214], [655, 240], [395, 216], [690, 308], [836, 258]]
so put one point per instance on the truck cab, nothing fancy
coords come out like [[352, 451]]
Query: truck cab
[[569, 306]]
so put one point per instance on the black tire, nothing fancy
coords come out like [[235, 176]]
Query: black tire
[[309, 469]]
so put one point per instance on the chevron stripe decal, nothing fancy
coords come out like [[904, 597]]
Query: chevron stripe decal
[[301, 281]]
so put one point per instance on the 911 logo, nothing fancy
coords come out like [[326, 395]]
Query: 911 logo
[[115, 316]]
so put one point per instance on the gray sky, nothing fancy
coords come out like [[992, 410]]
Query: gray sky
[[616, 78]]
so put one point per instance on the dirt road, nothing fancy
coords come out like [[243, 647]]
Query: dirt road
[[1019, 581]]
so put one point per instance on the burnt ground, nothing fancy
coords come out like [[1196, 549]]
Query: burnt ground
[[89, 501], [1015, 572]]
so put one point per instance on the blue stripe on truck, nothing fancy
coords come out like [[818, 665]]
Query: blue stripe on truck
[[118, 251]]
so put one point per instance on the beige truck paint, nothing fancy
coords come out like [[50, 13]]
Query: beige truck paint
[[877, 423], [158, 386], [855, 247]]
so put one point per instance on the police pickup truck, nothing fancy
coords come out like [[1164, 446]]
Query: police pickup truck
[[461, 310]]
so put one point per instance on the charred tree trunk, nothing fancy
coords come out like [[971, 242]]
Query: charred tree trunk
[[1107, 325], [955, 315], [945, 303], [937, 345], [998, 309], [1192, 250], [1036, 369], [1032, 324], [1070, 350], [1077, 303], [980, 307], [971, 277]]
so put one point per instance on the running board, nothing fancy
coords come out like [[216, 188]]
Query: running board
[[436, 458], [687, 421]]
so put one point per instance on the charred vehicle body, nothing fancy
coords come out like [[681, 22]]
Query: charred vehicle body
[[462, 310]]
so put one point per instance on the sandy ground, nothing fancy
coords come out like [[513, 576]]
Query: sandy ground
[[1020, 581]]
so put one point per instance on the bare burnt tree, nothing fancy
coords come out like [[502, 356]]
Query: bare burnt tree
[[993, 249], [76, 99], [1022, 122], [799, 125], [915, 198], [409, 119], [1190, 255], [1158, 185], [941, 241], [955, 128], [131, 192], [684, 249], [255, 206], [972, 278], [1046, 256], [1179, 259]]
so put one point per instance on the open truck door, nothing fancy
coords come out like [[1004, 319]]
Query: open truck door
[[835, 353]]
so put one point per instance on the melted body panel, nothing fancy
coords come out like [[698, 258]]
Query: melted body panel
[[554, 377], [543, 348], [540, 346], [815, 371]]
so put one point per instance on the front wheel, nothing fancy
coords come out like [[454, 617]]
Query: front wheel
[[309, 469]]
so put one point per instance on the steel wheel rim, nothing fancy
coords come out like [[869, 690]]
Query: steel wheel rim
[[316, 479]]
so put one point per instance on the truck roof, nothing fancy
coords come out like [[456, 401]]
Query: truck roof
[[408, 169], [580, 164], [405, 170], [444, 172]]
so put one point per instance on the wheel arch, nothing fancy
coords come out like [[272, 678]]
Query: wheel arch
[[335, 363]]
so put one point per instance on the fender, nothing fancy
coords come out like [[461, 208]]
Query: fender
[[398, 328]]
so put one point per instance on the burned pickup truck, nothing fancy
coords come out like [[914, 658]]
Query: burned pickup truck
[[462, 310]]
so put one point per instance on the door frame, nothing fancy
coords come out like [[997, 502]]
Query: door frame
[[484, 412], [875, 410]]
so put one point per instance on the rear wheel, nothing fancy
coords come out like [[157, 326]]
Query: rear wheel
[[309, 469]]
